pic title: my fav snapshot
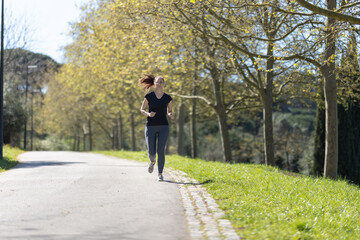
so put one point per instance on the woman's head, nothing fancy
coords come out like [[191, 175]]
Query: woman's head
[[159, 82], [149, 80]]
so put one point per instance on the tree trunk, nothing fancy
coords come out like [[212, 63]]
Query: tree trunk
[[267, 99], [133, 140], [116, 134], [121, 133], [78, 144], [224, 133], [90, 135], [113, 138], [221, 115], [268, 131], [84, 142], [74, 144], [193, 128], [331, 126], [193, 114], [180, 130]]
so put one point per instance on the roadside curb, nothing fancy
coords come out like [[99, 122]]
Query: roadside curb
[[205, 219]]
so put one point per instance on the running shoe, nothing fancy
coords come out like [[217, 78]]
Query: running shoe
[[160, 178], [151, 167]]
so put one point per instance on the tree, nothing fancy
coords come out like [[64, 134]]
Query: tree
[[111, 49], [328, 69], [258, 35], [14, 117], [18, 82], [349, 113], [16, 34]]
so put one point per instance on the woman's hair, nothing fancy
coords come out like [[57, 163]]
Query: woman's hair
[[148, 80]]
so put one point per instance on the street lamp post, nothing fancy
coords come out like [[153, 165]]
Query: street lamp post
[[26, 94], [2, 82]]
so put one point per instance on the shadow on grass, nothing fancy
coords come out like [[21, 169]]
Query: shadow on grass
[[189, 183]]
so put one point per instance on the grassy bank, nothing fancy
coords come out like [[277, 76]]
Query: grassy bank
[[266, 203], [9, 157]]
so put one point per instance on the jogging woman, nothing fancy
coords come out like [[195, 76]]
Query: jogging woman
[[158, 104]]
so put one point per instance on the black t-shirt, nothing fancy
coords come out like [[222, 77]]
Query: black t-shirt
[[160, 107]]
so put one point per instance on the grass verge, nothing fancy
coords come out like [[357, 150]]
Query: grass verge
[[10, 157], [266, 203]]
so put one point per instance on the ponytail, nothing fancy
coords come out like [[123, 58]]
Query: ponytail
[[147, 81]]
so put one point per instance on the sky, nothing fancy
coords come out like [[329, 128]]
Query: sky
[[48, 21]]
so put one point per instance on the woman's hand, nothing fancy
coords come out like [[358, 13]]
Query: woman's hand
[[171, 115], [152, 114]]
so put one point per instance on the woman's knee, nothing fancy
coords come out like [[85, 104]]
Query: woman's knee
[[152, 157]]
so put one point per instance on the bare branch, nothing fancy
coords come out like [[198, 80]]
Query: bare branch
[[226, 21], [278, 9], [282, 86], [194, 97], [350, 5], [241, 72], [244, 108], [328, 13], [298, 56]]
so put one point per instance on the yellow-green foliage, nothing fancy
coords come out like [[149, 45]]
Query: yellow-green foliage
[[10, 157], [115, 44], [266, 203]]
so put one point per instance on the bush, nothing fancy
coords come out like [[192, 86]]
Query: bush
[[52, 143]]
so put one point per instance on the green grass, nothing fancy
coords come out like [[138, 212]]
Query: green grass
[[266, 203], [10, 155]]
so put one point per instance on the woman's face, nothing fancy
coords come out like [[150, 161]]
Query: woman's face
[[159, 83]]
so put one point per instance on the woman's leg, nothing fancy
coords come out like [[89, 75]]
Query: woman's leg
[[150, 135], [162, 139]]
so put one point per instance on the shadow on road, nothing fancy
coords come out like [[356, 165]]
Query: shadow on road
[[102, 235], [35, 164]]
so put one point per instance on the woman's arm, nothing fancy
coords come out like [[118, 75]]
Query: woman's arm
[[169, 110], [144, 105]]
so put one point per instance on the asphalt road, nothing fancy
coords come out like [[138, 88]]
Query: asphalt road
[[70, 195]]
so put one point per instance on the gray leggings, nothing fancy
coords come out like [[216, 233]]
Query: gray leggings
[[161, 134]]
